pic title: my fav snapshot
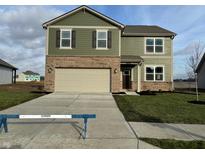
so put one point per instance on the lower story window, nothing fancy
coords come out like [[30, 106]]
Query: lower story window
[[150, 73], [154, 73]]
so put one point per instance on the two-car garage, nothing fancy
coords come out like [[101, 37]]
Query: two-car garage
[[82, 80]]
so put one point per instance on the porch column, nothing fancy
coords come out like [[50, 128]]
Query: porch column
[[138, 77], [14, 76]]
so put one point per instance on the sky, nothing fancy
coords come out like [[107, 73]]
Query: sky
[[22, 38]]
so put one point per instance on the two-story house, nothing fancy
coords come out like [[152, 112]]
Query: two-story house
[[28, 76], [87, 51]]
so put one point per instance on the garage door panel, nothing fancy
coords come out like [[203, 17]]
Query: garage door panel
[[82, 80]]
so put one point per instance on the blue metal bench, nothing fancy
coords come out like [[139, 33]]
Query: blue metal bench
[[4, 117]]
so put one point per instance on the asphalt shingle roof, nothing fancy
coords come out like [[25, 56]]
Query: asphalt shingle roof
[[5, 64], [131, 59], [30, 73], [145, 30]]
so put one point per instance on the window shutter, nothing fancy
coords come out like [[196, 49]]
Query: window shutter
[[109, 45], [94, 39], [73, 39], [58, 39]]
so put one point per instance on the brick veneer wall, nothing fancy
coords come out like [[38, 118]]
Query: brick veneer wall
[[152, 86], [53, 62], [156, 86]]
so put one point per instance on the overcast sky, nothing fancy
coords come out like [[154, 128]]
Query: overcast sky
[[22, 41]]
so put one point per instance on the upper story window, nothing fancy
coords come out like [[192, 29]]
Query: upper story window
[[154, 73], [154, 46], [101, 40], [65, 38]]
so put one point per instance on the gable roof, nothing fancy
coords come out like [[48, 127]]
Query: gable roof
[[146, 30], [104, 17], [201, 63], [5, 64], [30, 73], [128, 30]]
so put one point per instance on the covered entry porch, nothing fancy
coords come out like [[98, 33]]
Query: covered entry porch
[[131, 73]]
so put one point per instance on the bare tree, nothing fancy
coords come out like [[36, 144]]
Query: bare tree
[[196, 51]]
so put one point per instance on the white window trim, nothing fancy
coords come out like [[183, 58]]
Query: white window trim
[[69, 30], [145, 44], [101, 30], [154, 66]]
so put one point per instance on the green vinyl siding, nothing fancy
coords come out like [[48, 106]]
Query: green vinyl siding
[[82, 18], [136, 46], [165, 62], [83, 44], [156, 61], [83, 37]]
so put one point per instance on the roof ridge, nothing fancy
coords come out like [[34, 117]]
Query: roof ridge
[[109, 19]]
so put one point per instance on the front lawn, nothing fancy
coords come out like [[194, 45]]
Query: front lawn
[[9, 99], [14, 94], [163, 107], [175, 144]]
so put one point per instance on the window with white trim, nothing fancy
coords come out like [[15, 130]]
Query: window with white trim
[[154, 45], [150, 73], [154, 73], [101, 39], [65, 38]]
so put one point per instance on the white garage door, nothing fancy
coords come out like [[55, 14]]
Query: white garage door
[[82, 80]]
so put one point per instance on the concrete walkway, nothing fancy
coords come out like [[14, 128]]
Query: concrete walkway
[[109, 130], [169, 131]]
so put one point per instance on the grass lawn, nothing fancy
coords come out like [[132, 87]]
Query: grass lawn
[[163, 107], [175, 144], [11, 95]]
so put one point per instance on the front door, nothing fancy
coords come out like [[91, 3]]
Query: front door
[[126, 78]]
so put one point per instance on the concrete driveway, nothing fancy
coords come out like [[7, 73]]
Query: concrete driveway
[[109, 130]]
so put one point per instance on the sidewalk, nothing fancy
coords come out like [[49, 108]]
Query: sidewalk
[[169, 131]]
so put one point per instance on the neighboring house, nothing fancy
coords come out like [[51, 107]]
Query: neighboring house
[[201, 73], [28, 76], [87, 51], [7, 73]]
